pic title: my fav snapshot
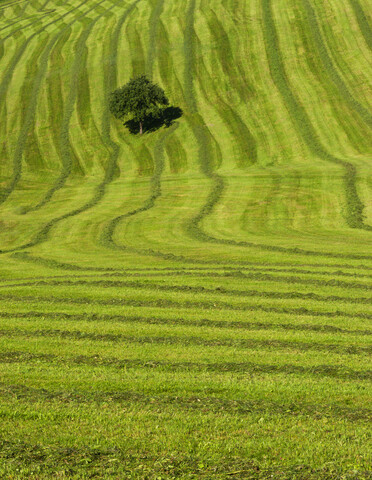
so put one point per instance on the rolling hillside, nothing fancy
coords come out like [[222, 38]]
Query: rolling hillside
[[193, 302]]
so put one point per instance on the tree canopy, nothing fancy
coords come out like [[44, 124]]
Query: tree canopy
[[139, 98]]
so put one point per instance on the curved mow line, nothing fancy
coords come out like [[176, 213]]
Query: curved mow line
[[165, 61], [363, 23], [63, 142], [216, 404], [198, 127], [243, 135], [154, 21], [32, 157], [83, 107], [54, 98], [21, 20], [25, 97], [336, 104], [30, 113], [28, 121], [7, 5], [64, 138], [249, 344], [224, 324], [2, 40], [211, 271], [294, 269], [106, 238], [16, 3], [240, 83], [336, 371], [66, 266], [110, 171], [166, 303], [39, 18], [232, 120], [329, 66], [238, 269], [354, 206], [218, 291], [207, 162], [189, 271], [26, 257]]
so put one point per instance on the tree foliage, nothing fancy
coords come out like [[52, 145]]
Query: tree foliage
[[139, 98]]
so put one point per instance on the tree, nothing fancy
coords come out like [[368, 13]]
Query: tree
[[139, 98]]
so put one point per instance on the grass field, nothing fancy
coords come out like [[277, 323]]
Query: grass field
[[194, 302]]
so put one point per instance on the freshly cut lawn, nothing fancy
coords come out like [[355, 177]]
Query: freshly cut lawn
[[195, 302]]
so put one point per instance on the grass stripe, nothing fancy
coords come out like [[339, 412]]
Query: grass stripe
[[64, 140], [27, 257], [30, 113], [106, 238], [153, 24], [235, 74], [42, 235], [198, 128], [363, 23], [189, 341], [28, 119], [354, 207], [334, 371], [22, 28], [329, 66], [198, 289], [38, 16], [214, 404], [59, 457], [55, 98], [166, 303], [224, 324], [352, 124]]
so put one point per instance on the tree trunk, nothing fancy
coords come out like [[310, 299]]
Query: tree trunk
[[140, 128]]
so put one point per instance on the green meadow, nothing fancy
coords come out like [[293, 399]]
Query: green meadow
[[193, 302]]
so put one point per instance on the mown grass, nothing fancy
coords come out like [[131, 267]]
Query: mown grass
[[193, 302]]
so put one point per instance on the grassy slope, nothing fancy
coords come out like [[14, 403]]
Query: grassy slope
[[195, 302]]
